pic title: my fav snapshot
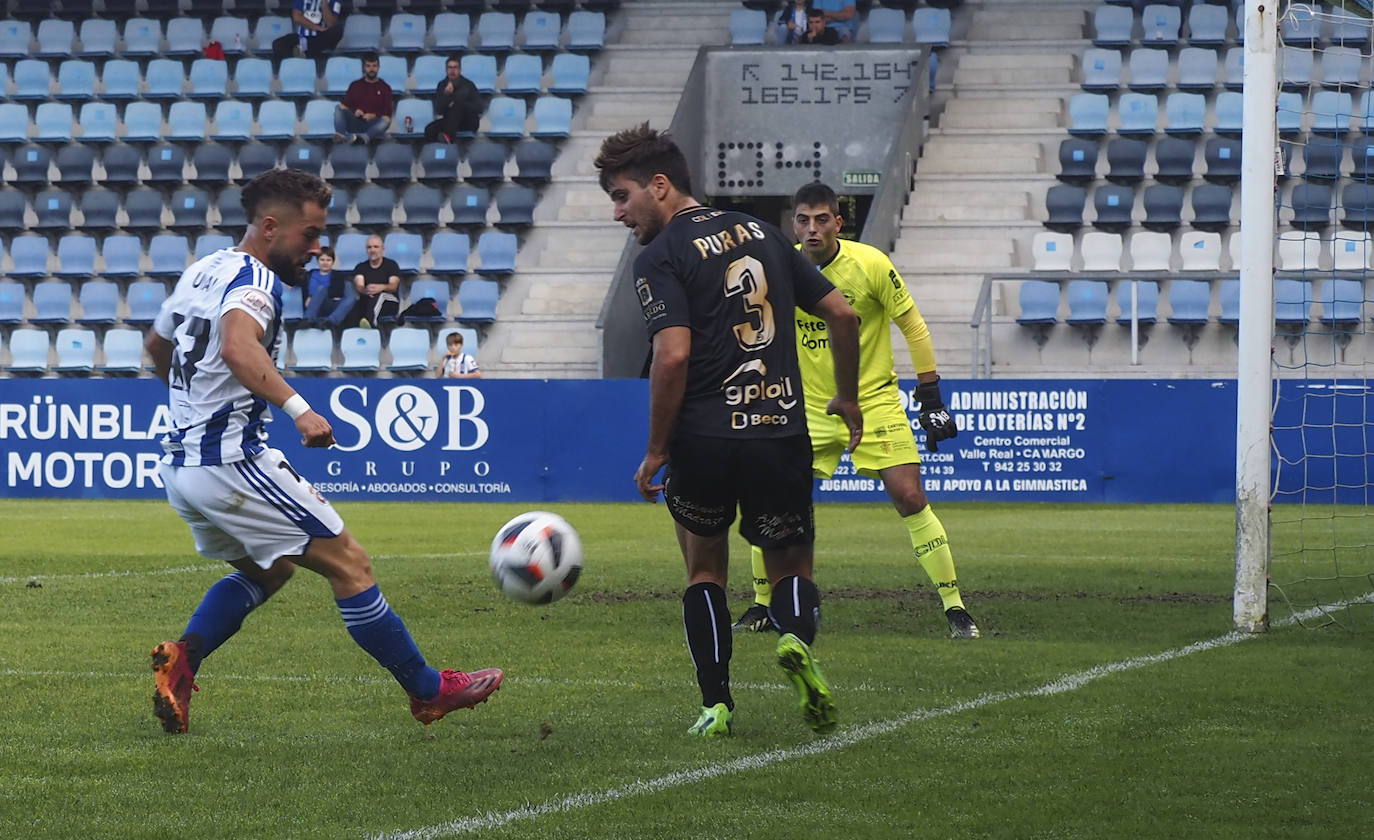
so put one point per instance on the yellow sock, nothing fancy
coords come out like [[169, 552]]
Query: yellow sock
[[931, 545], [763, 590]]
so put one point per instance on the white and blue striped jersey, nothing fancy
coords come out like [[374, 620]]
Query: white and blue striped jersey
[[215, 419]]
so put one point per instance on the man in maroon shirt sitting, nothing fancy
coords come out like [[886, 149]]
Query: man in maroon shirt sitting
[[365, 113]]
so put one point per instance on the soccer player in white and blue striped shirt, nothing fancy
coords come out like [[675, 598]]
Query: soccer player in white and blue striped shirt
[[213, 343]]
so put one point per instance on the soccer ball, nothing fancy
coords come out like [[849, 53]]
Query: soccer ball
[[536, 557]]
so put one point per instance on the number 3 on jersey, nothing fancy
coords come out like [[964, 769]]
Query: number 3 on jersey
[[745, 277], [185, 359]]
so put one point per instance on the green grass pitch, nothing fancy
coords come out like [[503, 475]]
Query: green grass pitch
[[1105, 699]]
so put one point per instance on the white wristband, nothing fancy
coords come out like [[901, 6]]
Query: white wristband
[[295, 406]]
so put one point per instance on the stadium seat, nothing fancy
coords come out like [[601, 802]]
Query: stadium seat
[[145, 299], [1229, 113], [1341, 67], [1207, 25], [99, 301], [469, 205], [1146, 309], [1077, 160], [1299, 250], [1114, 205], [319, 119], [1233, 69], [304, 157], [255, 159], [481, 71], [429, 70], [1331, 112], [186, 122], [748, 27], [1101, 70], [1292, 302], [1039, 303], [496, 32], [1348, 29], [349, 163], [420, 112], [31, 164], [885, 26], [534, 161], [1357, 206], [361, 34], [421, 204], [52, 302], [166, 165], [1113, 26], [231, 33], [233, 122], [552, 117], [28, 350], [28, 257], [163, 79], [54, 210], [496, 253], [76, 257], [32, 80], [1295, 68], [524, 75], [541, 32], [232, 217], [267, 29], [143, 207], [98, 38], [1300, 27], [1126, 160], [119, 80], [167, 253], [1174, 160], [12, 207], [1200, 250], [586, 30], [121, 255], [1342, 303], [515, 206], [209, 79], [277, 120], [1149, 70], [1088, 113], [1197, 70], [142, 38], [339, 202], [451, 33], [1351, 251], [406, 34], [1189, 302], [211, 162], [405, 249], [392, 69], [1159, 25], [1222, 155], [53, 122], [1101, 251], [11, 302], [314, 351], [1184, 113], [395, 163], [1087, 301], [375, 206], [931, 26], [449, 252], [1311, 205], [477, 299], [439, 163], [436, 290], [75, 165], [570, 74], [409, 348], [208, 243], [506, 116], [75, 81], [297, 76], [1212, 207], [56, 38], [1151, 251], [123, 353], [292, 306], [98, 122], [185, 38], [361, 349], [1322, 157], [1163, 205], [351, 249], [486, 162], [1052, 251], [1138, 113], [340, 71], [252, 79], [1064, 207]]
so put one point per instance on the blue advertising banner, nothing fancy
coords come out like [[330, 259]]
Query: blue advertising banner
[[581, 440]]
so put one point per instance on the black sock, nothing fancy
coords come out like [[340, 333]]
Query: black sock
[[706, 619], [796, 607]]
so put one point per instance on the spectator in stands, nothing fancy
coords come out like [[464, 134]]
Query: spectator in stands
[[816, 30], [457, 364], [376, 280], [318, 28], [330, 295], [457, 105], [365, 112], [842, 16], [793, 18]]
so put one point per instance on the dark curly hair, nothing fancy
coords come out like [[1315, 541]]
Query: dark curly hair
[[640, 153], [283, 186]]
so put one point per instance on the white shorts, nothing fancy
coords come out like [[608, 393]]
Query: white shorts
[[258, 508]]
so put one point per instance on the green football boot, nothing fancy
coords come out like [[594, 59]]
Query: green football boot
[[813, 693], [715, 722]]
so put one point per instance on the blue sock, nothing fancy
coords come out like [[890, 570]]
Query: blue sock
[[220, 615], [379, 630]]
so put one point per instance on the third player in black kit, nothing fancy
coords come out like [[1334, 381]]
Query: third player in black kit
[[726, 412]]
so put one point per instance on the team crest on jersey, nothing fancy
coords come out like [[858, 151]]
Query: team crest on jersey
[[646, 295]]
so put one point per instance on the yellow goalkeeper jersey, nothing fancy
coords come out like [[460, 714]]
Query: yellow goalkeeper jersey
[[868, 280]]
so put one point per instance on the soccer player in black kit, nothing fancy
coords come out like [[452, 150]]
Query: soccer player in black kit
[[726, 417]]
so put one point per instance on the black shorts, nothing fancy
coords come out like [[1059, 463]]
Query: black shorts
[[768, 479]]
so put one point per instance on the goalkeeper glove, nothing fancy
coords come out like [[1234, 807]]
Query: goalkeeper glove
[[934, 417]]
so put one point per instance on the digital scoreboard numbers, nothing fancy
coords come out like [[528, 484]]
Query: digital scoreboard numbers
[[783, 119]]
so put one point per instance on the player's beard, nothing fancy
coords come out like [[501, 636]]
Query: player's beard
[[291, 273]]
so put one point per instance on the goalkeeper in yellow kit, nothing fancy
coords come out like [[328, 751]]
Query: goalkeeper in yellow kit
[[872, 286]]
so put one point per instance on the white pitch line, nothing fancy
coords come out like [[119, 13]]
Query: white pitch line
[[844, 738], [204, 567]]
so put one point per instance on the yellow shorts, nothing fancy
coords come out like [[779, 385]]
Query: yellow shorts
[[887, 442]]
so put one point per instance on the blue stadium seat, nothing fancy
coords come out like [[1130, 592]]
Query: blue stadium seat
[[12, 299], [1113, 26], [376, 206], [29, 351], [277, 119], [29, 257], [143, 208], [1149, 70], [1064, 207], [1189, 302], [145, 299], [98, 38], [99, 301], [477, 298], [75, 80], [304, 157], [15, 36], [349, 163], [340, 71], [429, 71], [542, 31], [1212, 207], [1159, 25], [32, 80], [1088, 113], [319, 119], [166, 165], [119, 80], [486, 161], [14, 123], [229, 204], [496, 252], [886, 26], [496, 32], [405, 249], [392, 69], [361, 34], [292, 306], [55, 38], [524, 75], [52, 303], [515, 206], [351, 249], [1077, 160], [420, 112], [163, 79], [586, 31], [1039, 303], [297, 77], [449, 251], [1331, 112], [1174, 159], [395, 163], [1147, 301], [1163, 207], [469, 205], [1101, 69], [53, 122], [98, 122], [421, 204], [1197, 69], [268, 29], [1348, 29], [1321, 157], [185, 37], [436, 290], [31, 165], [570, 74], [123, 353], [121, 162], [253, 79], [1357, 206], [142, 38], [1292, 302], [932, 27], [255, 159], [1295, 68], [1229, 113], [54, 210], [314, 351], [231, 33], [1126, 160], [451, 33], [121, 255], [748, 27], [480, 70], [361, 349], [1233, 69], [1341, 67], [209, 243], [1300, 27], [439, 163], [406, 33], [552, 117], [1138, 112], [506, 117], [75, 257], [1207, 25], [167, 252], [1311, 205], [409, 348], [233, 121], [1114, 205], [1087, 303], [1184, 113]]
